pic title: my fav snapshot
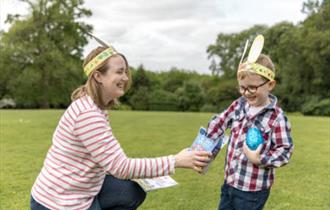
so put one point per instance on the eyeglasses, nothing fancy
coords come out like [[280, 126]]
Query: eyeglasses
[[250, 89]]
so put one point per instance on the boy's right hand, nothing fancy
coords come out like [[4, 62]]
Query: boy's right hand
[[195, 160]]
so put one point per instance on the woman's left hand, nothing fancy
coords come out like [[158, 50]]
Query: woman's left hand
[[195, 160]]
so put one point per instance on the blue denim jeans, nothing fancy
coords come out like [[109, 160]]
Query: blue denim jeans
[[234, 199], [115, 194]]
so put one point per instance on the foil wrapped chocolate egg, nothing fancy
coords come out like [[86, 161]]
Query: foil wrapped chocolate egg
[[254, 138]]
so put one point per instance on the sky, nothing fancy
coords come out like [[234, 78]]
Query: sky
[[171, 33]]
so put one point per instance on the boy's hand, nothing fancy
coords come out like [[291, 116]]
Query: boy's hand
[[253, 156]]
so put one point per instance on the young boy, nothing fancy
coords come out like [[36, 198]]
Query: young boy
[[249, 174]]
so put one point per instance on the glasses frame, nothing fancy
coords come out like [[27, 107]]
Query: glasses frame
[[251, 89]]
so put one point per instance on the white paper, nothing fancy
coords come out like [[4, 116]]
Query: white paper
[[156, 183]]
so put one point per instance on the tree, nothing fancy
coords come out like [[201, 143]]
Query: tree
[[140, 99], [190, 97], [174, 79], [302, 55], [310, 7], [214, 67], [42, 53], [228, 49], [140, 78], [163, 100], [137, 96]]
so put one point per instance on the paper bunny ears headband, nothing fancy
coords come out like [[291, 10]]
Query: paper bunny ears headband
[[254, 53], [102, 56]]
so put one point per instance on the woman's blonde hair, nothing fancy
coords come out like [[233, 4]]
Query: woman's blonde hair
[[263, 60], [92, 87]]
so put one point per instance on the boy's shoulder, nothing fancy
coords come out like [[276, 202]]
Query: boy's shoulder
[[280, 114], [275, 114], [276, 106]]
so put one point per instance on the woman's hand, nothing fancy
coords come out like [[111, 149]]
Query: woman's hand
[[195, 160]]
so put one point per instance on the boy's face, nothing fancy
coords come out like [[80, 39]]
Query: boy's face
[[255, 89]]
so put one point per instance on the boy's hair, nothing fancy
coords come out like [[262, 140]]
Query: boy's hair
[[263, 60], [92, 87]]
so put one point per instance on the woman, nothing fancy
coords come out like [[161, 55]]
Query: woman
[[85, 167]]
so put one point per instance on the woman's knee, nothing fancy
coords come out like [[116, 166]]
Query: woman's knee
[[120, 193], [135, 194]]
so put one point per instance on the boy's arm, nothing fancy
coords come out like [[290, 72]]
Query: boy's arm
[[219, 123], [282, 148]]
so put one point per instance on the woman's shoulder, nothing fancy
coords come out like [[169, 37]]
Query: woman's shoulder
[[83, 105]]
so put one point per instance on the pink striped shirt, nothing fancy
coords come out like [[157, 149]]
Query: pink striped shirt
[[83, 151]]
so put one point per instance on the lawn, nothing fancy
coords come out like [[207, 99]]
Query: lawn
[[25, 136]]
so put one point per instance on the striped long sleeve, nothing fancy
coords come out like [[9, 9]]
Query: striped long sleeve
[[95, 134]]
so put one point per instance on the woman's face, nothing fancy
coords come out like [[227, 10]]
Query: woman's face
[[113, 82]]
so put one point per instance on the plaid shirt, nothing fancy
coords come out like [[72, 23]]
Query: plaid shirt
[[276, 150]]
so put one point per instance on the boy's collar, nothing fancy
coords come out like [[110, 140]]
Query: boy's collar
[[241, 110], [273, 102]]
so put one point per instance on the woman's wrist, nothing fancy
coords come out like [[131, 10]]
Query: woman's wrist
[[174, 160]]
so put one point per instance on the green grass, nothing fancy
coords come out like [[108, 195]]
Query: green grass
[[25, 136]]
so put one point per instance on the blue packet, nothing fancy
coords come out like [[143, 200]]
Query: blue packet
[[203, 143]]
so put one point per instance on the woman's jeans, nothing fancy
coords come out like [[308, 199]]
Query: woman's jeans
[[234, 199], [115, 194]]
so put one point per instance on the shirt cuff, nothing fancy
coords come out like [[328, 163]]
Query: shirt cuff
[[172, 164]]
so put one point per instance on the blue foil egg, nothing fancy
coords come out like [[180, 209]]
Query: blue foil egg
[[254, 138]]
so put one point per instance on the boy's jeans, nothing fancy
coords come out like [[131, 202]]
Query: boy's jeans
[[115, 194], [234, 199]]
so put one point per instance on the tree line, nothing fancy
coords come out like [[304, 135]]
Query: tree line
[[41, 57]]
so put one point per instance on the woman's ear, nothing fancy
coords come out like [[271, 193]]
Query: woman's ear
[[98, 77]]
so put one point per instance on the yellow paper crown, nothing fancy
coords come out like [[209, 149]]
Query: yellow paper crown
[[254, 53], [101, 57]]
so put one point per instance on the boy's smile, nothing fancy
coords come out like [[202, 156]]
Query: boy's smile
[[255, 89]]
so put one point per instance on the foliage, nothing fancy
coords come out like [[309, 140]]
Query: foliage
[[41, 53], [162, 100], [140, 99], [316, 106], [190, 97], [167, 91], [209, 108], [43, 48], [229, 49], [174, 79], [301, 54]]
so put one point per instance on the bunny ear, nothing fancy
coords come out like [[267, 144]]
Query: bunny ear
[[104, 44], [244, 51], [256, 49]]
